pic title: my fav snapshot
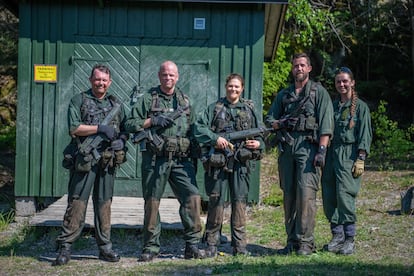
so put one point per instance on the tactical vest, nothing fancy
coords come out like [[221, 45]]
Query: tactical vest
[[223, 120], [307, 119], [178, 145], [182, 100], [92, 114]]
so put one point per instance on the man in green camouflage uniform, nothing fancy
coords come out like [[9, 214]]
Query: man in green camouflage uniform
[[228, 164], [170, 162], [86, 112], [302, 150]]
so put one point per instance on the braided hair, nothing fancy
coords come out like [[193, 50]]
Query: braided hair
[[354, 95]]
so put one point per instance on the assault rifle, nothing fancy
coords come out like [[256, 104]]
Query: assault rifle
[[150, 134], [247, 134], [282, 135], [91, 143]]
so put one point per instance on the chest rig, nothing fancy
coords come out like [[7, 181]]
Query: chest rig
[[307, 117], [94, 114], [225, 121], [178, 145]]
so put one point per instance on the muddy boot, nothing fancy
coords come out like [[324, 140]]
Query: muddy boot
[[64, 255], [336, 242], [338, 238], [147, 256], [109, 256], [306, 249], [211, 251], [348, 247], [193, 252]]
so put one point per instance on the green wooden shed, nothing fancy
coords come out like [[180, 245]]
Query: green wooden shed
[[60, 40]]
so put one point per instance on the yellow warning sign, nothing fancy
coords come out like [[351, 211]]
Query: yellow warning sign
[[45, 73]]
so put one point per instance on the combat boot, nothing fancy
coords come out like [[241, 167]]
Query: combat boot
[[147, 256], [193, 252], [211, 251], [63, 257], [306, 249], [336, 242], [109, 256], [348, 246]]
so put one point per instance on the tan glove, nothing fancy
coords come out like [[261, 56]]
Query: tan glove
[[358, 168]]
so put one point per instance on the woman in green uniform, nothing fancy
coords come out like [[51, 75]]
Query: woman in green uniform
[[341, 178], [228, 162]]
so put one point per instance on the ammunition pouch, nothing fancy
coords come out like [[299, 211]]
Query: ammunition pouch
[[107, 159], [69, 156], [217, 160], [257, 154], [306, 123], [83, 163], [175, 146], [243, 155]]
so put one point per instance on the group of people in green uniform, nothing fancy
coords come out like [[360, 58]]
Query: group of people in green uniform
[[319, 140], [328, 143]]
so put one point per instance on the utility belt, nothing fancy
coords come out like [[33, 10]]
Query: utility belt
[[305, 127], [217, 159], [172, 146], [74, 160]]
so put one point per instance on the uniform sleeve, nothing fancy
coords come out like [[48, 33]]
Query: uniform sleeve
[[202, 131], [74, 113], [365, 129], [138, 114], [275, 111], [124, 118], [324, 112]]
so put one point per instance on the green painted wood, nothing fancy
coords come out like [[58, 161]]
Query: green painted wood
[[126, 36]]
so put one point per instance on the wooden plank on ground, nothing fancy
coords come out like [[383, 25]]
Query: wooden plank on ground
[[127, 212]]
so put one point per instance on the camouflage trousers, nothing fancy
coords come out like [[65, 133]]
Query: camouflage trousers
[[180, 174], [80, 188]]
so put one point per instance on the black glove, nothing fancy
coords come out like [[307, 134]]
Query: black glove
[[118, 144], [319, 160], [161, 120], [109, 131]]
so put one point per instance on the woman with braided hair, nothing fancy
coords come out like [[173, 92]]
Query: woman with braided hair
[[341, 177]]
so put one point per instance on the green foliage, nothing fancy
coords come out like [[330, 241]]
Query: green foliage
[[8, 49], [275, 74], [309, 23], [7, 137], [390, 143]]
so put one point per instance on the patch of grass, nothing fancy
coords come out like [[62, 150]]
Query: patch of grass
[[383, 242], [5, 219]]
